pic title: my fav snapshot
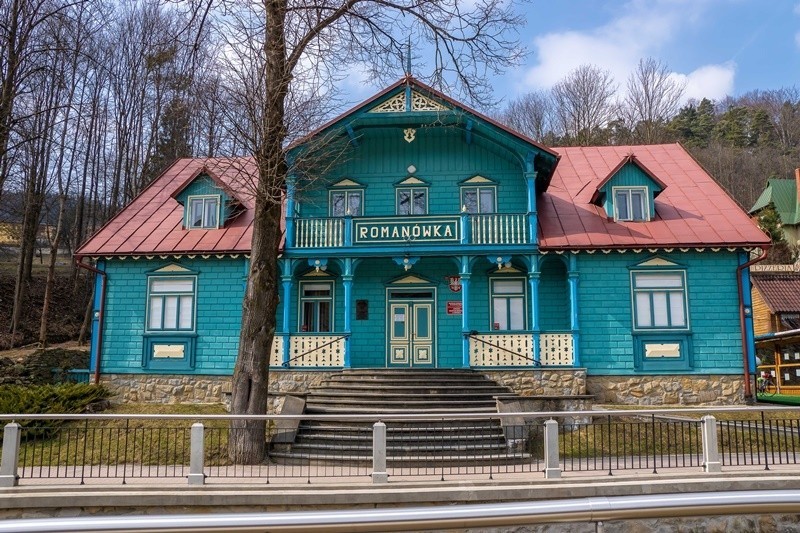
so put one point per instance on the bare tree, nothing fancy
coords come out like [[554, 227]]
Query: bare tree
[[532, 114], [652, 99], [302, 48], [585, 104]]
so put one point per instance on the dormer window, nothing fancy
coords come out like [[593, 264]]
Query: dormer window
[[203, 212], [630, 204]]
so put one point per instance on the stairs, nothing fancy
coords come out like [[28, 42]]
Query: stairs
[[444, 440]]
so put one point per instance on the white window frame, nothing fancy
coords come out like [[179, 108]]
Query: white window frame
[[507, 296], [667, 291], [629, 203], [347, 193], [411, 188], [163, 295], [204, 224], [478, 189], [302, 299]]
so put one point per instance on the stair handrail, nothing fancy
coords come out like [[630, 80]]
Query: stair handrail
[[285, 364], [474, 335]]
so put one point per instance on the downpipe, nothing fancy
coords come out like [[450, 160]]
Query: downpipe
[[748, 391], [101, 314]]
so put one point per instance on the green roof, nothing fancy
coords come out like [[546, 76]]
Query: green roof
[[783, 195]]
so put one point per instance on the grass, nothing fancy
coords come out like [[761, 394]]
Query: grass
[[783, 399]]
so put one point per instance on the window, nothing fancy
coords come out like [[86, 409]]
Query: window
[[346, 203], [659, 300], [630, 204], [170, 304], [508, 304], [412, 201], [478, 199], [203, 212], [316, 306]]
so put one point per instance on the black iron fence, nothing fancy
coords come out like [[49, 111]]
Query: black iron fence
[[357, 448]]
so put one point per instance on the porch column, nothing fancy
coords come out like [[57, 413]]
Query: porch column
[[347, 284], [290, 186], [288, 281], [465, 272], [533, 287], [573, 305], [530, 182]]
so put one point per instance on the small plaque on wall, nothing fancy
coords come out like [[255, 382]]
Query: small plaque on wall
[[362, 309], [455, 307], [168, 351]]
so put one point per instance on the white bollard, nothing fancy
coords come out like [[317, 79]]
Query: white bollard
[[196, 457], [379, 474], [711, 462], [552, 467], [8, 465]]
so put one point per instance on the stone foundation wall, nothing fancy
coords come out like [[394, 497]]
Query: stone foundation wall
[[158, 388], [541, 382], [667, 390]]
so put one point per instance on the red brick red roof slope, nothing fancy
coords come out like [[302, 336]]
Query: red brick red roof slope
[[693, 210], [781, 292], [152, 224]]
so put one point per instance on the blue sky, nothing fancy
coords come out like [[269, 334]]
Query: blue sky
[[718, 47]]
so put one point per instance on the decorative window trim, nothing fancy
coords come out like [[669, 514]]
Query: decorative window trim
[[347, 191], [683, 290], [478, 188], [301, 299], [165, 294], [169, 352], [629, 189], [204, 223], [492, 296]]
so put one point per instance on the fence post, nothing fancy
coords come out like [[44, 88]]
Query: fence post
[[711, 462], [552, 467], [379, 474], [8, 466], [196, 474]]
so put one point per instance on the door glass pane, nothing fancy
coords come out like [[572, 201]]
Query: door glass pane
[[621, 206], [660, 317], [637, 205], [643, 310], [211, 213], [403, 201], [337, 204], [354, 203], [516, 307], [324, 320], [500, 317], [422, 322], [676, 312], [487, 200], [171, 312], [470, 200], [307, 320], [399, 322], [186, 312], [510, 286], [156, 304], [420, 203]]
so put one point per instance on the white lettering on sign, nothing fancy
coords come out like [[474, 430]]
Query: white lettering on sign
[[436, 230]]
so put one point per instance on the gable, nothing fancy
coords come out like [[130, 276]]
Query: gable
[[630, 174], [203, 186]]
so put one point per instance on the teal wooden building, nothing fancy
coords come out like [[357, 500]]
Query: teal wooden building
[[442, 239]]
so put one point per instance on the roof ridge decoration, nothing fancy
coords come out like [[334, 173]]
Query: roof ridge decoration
[[397, 103]]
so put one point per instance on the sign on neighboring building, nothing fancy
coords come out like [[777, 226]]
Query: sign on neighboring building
[[454, 307], [775, 268]]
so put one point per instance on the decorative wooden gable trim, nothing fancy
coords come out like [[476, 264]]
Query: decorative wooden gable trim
[[411, 180], [657, 262], [411, 279], [397, 104], [477, 180], [172, 268], [346, 183]]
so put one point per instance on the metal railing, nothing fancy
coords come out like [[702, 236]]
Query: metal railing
[[355, 448]]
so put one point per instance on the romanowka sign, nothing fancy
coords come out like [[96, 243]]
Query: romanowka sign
[[401, 231]]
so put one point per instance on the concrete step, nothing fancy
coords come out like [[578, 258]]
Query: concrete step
[[452, 460], [313, 408], [415, 389]]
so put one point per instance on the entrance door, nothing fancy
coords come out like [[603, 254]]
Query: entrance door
[[411, 325]]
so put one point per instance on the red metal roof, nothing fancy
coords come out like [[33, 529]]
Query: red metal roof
[[692, 211], [152, 224]]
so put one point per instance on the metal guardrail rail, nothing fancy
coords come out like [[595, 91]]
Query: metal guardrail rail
[[593, 510]]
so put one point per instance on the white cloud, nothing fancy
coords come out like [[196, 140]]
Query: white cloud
[[797, 9], [641, 30]]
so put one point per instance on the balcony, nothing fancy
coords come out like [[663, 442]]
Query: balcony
[[494, 229]]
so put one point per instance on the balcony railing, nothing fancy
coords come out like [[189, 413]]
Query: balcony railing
[[332, 232]]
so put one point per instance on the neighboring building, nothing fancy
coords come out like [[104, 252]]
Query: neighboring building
[[442, 240], [784, 195], [776, 321]]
